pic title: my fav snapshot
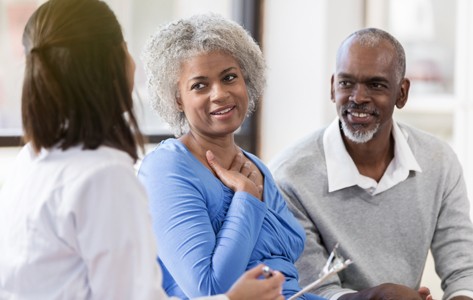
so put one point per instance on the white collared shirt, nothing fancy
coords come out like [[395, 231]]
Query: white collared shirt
[[337, 159]]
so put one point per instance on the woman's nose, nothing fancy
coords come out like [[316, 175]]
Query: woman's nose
[[218, 92]]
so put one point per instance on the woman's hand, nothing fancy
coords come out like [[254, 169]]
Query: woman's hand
[[249, 286], [424, 292], [242, 175], [243, 165]]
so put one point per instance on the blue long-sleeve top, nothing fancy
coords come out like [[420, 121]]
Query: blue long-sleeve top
[[208, 234]]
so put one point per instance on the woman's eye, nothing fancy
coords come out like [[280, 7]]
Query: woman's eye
[[229, 77], [197, 86]]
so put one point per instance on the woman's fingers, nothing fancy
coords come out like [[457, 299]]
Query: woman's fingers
[[237, 163], [237, 179], [246, 169], [214, 164]]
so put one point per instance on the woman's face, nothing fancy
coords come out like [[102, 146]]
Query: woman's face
[[212, 94]]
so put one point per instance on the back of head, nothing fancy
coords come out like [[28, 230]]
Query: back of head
[[177, 41], [373, 37], [76, 89]]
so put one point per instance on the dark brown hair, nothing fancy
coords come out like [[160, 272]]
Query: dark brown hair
[[76, 89]]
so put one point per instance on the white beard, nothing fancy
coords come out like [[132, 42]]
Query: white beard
[[359, 137]]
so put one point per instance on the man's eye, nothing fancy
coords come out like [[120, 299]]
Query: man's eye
[[377, 85], [344, 83]]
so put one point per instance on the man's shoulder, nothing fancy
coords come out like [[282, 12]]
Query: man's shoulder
[[427, 148], [422, 141], [307, 149]]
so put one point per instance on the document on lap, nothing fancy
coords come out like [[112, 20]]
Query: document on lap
[[335, 263]]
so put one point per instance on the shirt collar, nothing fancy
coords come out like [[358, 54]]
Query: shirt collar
[[342, 171]]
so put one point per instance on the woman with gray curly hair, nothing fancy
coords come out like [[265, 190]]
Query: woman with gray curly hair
[[215, 207], [179, 41]]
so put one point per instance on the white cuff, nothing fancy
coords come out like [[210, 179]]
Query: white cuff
[[339, 294], [461, 293]]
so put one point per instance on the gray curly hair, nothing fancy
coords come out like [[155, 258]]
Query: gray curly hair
[[179, 40]]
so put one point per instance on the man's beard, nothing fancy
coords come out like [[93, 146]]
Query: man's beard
[[358, 136]]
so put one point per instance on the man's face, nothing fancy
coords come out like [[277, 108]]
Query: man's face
[[365, 90]]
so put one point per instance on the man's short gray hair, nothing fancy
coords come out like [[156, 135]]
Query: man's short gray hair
[[372, 37]]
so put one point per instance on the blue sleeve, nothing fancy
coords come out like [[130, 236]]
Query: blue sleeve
[[202, 261]]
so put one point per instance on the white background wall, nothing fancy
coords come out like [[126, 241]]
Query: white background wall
[[463, 121], [299, 43]]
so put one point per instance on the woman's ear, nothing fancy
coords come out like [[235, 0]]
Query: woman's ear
[[179, 104]]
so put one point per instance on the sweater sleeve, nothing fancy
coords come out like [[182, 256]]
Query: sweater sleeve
[[201, 261], [453, 238]]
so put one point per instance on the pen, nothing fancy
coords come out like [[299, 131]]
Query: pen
[[267, 272]]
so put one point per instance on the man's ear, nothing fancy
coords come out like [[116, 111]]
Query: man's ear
[[403, 93], [332, 91]]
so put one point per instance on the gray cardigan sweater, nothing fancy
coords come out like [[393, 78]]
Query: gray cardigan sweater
[[387, 235]]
